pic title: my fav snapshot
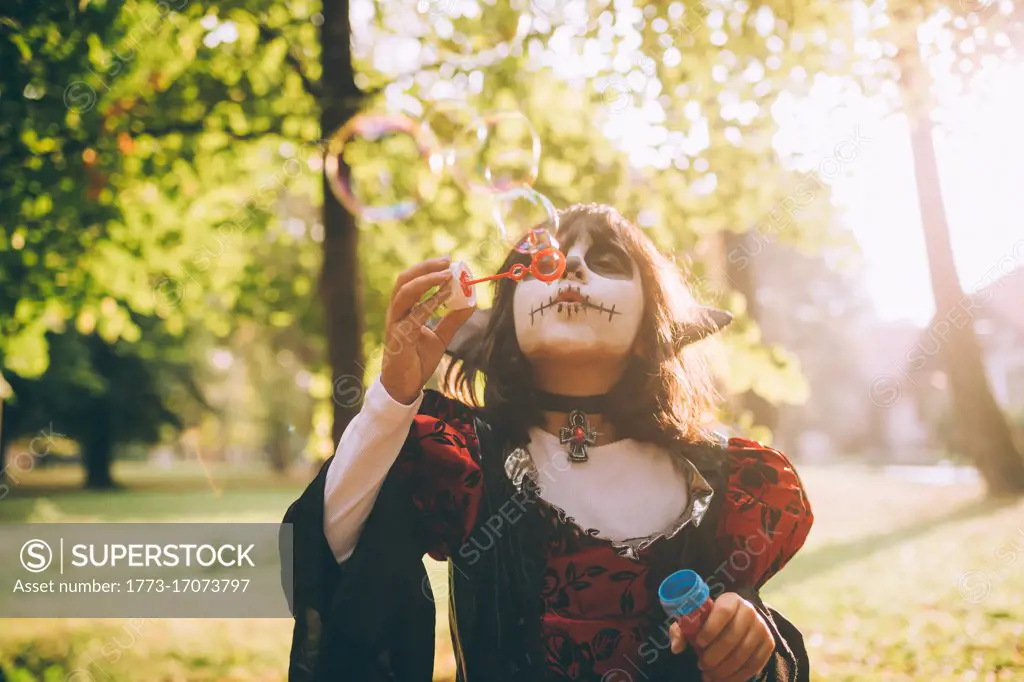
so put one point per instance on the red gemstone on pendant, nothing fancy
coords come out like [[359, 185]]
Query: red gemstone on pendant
[[579, 433]]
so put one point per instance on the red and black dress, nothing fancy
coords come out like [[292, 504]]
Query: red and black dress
[[534, 597]]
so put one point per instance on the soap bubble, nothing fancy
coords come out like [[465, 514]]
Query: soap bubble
[[451, 125], [525, 211], [391, 167], [474, 33], [507, 155], [510, 150]]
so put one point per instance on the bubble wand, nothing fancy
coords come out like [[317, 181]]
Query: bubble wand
[[518, 271]]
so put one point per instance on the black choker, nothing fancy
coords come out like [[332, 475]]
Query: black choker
[[556, 402], [577, 434]]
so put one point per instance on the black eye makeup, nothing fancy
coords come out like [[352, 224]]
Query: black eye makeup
[[609, 261]]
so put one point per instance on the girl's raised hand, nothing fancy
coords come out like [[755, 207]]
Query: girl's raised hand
[[412, 351]]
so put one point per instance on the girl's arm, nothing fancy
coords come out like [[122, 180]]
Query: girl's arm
[[346, 612], [365, 454], [427, 447], [402, 483]]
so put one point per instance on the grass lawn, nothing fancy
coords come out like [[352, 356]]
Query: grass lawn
[[898, 581]]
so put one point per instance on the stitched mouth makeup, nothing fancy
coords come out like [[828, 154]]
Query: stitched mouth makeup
[[592, 312], [572, 300]]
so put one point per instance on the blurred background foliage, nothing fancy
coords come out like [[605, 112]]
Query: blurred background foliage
[[162, 180], [166, 163], [185, 311]]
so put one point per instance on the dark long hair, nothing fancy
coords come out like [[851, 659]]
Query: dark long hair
[[665, 394]]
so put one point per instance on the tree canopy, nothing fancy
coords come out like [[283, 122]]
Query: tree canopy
[[164, 159]]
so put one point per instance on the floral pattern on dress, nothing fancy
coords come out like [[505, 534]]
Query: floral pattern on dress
[[439, 463], [601, 611], [767, 515], [600, 607]]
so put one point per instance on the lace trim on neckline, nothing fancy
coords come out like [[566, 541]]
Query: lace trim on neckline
[[519, 466]]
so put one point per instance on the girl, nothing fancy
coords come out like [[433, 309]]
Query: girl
[[561, 500]]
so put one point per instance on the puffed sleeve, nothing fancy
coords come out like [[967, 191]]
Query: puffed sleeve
[[440, 464], [766, 515]]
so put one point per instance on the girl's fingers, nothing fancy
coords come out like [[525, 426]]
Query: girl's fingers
[[678, 641], [412, 291], [423, 268], [728, 639], [725, 607], [733, 660], [756, 663], [422, 311]]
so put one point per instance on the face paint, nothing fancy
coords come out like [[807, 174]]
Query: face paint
[[594, 310]]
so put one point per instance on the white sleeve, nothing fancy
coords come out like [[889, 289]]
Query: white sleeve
[[368, 448]]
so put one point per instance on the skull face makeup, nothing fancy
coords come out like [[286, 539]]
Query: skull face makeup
[[593, 311]]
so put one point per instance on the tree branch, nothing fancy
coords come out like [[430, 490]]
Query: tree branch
[[312, 87]]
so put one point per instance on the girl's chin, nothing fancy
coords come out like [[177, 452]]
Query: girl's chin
[[574, 350], [574, 341]]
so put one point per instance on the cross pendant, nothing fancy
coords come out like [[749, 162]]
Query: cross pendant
[[578, 435]]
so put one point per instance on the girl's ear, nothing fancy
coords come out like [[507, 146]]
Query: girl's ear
[[708, 322]]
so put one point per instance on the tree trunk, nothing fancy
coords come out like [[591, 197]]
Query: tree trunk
[[98, 456], [742, 278], [340, 281], [3, 440], [979, 422], [278, 449]]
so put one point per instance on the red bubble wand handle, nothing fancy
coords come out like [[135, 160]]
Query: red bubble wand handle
[[518, 271]]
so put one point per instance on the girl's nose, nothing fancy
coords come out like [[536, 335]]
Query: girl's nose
[[574, 269]]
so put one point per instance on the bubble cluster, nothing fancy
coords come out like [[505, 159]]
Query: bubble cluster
[[385, 167]]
